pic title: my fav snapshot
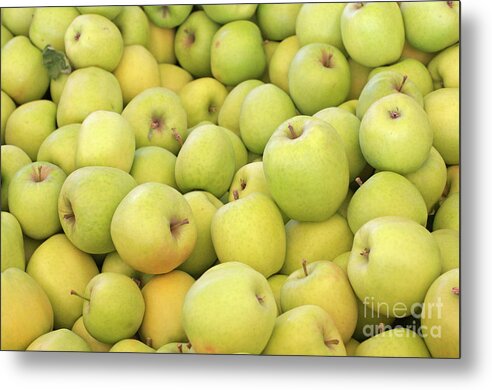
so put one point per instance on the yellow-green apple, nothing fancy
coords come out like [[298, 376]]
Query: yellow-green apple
[[168, 16], [351, 346], [431, 26], [137, 71], [133, 25], [448, 214], [181, 347], [225, 13], [277, 21], [13, 158], [369, 322], [442, 108], [5, 35], [84, 191], [325, 284], [247, 180], [95, 345], [60, 340], [33, 198], [306, 169], [202, 99], [240, 150], [113, 307], [365, 25], [26, 310], [231, 107], [59, 267], [305, 330], [315, 241], [161, 44], [254, 218], [132, 346], [397, 342], [206, 161], [278, 67], [56, 87], [105, 138], [114, 263], [192, 43], [229, 309], [8, 106], [237, 53], [342, 260], [449, 245], [158, 119], [49, 25], [110, 11], [445, 68], [60, 146], [453, 180], [394, 261], [18, 19], [276, 282], [154, 164], [204, 206], [384, 194], [269, 47], [174, 77], [411, 52], [359, 75], [315, 69], [87, 90], [12, 243], [441, 316], [153, 228], [350, 105], [164, 296]]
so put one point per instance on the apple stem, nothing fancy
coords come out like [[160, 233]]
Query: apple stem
[[243, 184], [175, 225], [292, 132], [402, 83], [332, 342], [455, 290], [73, 292], [304, 267], [212, 109], [188, 345], [148, 341], [177, 136], [235, 194], [180, 347], [359, 181]]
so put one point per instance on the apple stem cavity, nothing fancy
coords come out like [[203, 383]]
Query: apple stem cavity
[[331, 342], [402, 83], [212, 109], [326, 59], [260, 299], [304, 267], [365, 252], [73, 292], [175, 225], [395, 114], [455, 290], [235, 193]]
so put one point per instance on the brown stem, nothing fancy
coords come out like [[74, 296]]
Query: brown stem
[[292, 132], [180, 347], [175, 225], [304, 267], [359, 181], [332, 342], [455, 290], [73, 292], [148, 341], [402, 83], [177, 136]]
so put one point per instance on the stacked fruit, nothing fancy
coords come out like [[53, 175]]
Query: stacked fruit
[[276, 179]]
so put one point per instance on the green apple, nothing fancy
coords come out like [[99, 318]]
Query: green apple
[[13, 159], [449, 245], [192, 43], [350, 105], [359, 75], [60, 267], [110, 11], [18, 19], [276, 282], [453, 180], [176, 348], [342, 260], [56, 87], [204, 206], [320, 23], [347, 126], [168, 16], [315, 69], [269, 47], [240, 151], [26, 310], [12, 243], [153, 228], [174, 77], [132, 346], [60, 340], [431, 26], [33, 198], [394, 261], [229, 309], [278, 67], [164, 296], [305, 330], [154, 164], [411, 52], [136, 72], [161, 44], [448, 214], [8, 106], [23, 77], [310, 188], [158, 118], [441, 316], [105, 138], [6, 36], [237, 53], [231, 107], [398, 342], [85, 190], [113, 307], [411, 134], [95, 345], [248, 179], [430, 178], [254, 218], [442, 108], [114, 263], [49, 25], [277, 21], [225, 13], [325, 284], [133, 25], [384, 194], [445, 68], [60, 146], [342, 210], [365, 25], [206, 161], [202, 99], [315, 241], [87, 90]]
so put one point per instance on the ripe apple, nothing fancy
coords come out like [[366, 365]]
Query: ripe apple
[[359, 75], [95, 345], [276, 282], [133, 25], [445, 68], [248, 179], [18, 20], [161, 44], [8, 106], [131, 345], [59, 340], [225, 13], [277, 21], [49, 24], [12, 243], [453, 180], [411, 52], [13, 158], [154, 164], [174, 77], [110, 11], [168, 16], [60, 146], [278, 67], [398, 342], [449, 245], [448, 214]]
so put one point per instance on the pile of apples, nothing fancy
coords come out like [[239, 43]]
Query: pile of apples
[[276, 179]]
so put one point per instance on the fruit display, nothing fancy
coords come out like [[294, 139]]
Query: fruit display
[[262, 179]]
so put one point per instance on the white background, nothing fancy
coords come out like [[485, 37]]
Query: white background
[[122, 371]]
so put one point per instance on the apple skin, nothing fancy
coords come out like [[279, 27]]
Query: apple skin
[[133, 25], [225, 13], [13, 158], [229, 309], [85, 190], [110, 12], [359, 75], [278, 67], [394, 261], [445, 68], [441, 316], [180, 347], [453, 180], [161, 44], [305, 330], [58, 266], [449, 245], [131, 346], [174, 77], [59, 340], [317, 196], [18, 20], [8, 106], [448, 214], [154, 164], [30, 314], [411, 52], [12, 243], [153, 228], [276, 282], [277, 21], [56, 87], [6, 36], [167, 16], [95, 345]]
